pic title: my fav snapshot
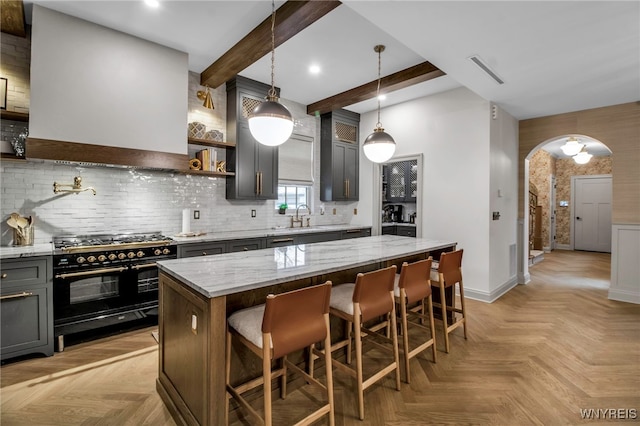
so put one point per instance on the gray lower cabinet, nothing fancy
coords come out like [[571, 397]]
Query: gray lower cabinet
[[245, 245], [318, 237], [201, 249], [282, 240], [26, 307], [389, 230], [355, 233], [406, 231]]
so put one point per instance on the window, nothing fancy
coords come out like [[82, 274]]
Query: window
[[293, 195]]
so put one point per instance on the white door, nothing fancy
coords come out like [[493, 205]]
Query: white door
[[592, 213]]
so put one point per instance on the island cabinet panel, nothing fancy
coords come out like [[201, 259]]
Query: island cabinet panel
[[255, 165], [26, 307], [191, 375], [339, 156]]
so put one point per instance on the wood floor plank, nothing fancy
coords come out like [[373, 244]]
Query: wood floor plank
[[536, 356]]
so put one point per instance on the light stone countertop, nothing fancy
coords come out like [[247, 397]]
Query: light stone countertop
[[223, 274], [12, 252]]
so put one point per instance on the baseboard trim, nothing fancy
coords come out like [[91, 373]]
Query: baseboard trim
[[624, 296], [492, 296], [524, 278], [564, 247]]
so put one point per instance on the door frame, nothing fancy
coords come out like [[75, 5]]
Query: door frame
[[552, 213], [573, 202], [376, 220]]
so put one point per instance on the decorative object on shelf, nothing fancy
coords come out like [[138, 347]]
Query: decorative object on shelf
[[22, 229], [195, 164], [271, 122], [76, 187], [214, 135], [3, 93], [18, 143], [197, 130], [205, 95], [282, 208], [572, 146], [204, 155], [221, 166], [582, 157], [379, 146]]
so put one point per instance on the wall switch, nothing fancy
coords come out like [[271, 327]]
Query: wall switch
[[334, 211], [253, 213], [322, 209], [196, 214], [355, 211]]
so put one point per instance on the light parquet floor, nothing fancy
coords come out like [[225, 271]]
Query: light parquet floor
[[536, 356]]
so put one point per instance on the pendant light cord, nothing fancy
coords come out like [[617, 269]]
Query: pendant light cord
[[379, 49], [272, 91]]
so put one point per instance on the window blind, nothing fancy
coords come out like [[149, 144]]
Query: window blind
[[295, 160]]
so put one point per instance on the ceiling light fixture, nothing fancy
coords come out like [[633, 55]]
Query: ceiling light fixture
[[206, 97], [572, 147], [379, 146], [582, 157], [271, 122], [152, 3]]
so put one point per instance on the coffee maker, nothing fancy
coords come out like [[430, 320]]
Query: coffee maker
[[396, 213]]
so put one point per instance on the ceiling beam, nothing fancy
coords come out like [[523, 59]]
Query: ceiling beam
[[12, 18], [291, 18], [399, 80]]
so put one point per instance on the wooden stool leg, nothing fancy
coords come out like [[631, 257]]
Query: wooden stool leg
[[358, 342], [329, 372], [443, 305], [432, 325], [349, 327], [405, 334], [266, 376], [464, 312], [283, 378], [394, 337], [311, 360], [227, 362]]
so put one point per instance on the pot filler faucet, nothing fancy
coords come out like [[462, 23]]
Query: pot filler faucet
[[300, 219]]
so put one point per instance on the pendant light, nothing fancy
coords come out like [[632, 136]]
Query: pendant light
[[571, 147], [271, 123], [582, 157], [379, 146]]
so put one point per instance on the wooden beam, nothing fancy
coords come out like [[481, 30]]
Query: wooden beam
[[399, 80], [291, 18], [12, 18]]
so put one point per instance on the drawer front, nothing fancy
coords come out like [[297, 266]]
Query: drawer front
[[356, 233], [318, 237], [204, 249], [246, 245], [25, 318], [281, 241], [406, 231], [24, 272]]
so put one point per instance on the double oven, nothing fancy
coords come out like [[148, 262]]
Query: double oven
[[105, 283]]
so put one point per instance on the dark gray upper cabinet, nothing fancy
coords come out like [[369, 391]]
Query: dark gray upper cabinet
[[255, 165], [339, 156]]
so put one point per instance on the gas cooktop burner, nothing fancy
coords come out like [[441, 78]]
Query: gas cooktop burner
[[79, 242]]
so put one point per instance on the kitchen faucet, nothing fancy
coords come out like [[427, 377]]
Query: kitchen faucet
[[299, 219]]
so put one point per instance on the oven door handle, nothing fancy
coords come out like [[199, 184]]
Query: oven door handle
[[146, 265], [92, 272]]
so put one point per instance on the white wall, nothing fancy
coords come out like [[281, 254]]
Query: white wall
[[95, 85], [461, 165]]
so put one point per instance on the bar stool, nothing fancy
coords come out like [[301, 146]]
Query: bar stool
[[449, 273], [286, 323], [413, 287], [370, 297]]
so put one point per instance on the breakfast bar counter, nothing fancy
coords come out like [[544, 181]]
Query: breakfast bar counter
[[197, 294]]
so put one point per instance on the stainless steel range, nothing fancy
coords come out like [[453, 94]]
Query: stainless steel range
[[103, 282]]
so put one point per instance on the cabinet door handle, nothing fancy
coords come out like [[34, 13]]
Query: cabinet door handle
[[204, 253], [260, 183], [17, 295], [257, 183], [348, 188], [282, 240], [353, 231], [4, 276]]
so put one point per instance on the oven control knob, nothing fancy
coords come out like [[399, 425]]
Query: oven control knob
[[131, 255], [102, 258], [157, 252], [81, 259], [140, 253], [91, 259], [112, 256], [166, 251], [122, 256]]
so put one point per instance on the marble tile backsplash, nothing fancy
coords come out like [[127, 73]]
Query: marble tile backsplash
[[133, 200]]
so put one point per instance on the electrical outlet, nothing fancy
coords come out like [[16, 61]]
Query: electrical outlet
[[496, 215], [196, 214], [194, 323], [334, 211], [355, 211], [253, 213]]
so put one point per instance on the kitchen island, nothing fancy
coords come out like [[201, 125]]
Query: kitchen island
[[197, 294]]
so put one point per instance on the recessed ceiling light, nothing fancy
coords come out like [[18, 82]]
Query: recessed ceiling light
[[314, 69], [152, 3], [382, 97]]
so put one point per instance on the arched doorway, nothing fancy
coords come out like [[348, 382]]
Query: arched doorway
[[555, 175]]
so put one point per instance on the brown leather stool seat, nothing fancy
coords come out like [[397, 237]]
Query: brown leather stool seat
[[413, 287], [449, 273], [368, 299], [286, 323]]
